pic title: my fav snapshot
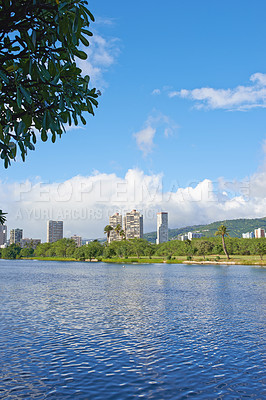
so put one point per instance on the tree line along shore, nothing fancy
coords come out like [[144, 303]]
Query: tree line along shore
[[203, 250]]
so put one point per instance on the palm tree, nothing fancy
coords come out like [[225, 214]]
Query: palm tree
[[222, 231], [122, 234], [118, 229], [2, 217], [107, 231]]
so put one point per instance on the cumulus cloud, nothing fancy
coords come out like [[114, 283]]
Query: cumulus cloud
[[241, 98], [156, 121], [85, 203]]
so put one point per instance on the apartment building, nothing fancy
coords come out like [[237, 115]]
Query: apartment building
[[77, 240], [259, 233], [133, 225], [162, 227], [54, 231], [16, 235], [115, 220]]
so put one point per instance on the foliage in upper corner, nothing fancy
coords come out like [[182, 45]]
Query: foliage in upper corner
[[41, 86]]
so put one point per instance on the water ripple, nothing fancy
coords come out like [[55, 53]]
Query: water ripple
[[75, 331]]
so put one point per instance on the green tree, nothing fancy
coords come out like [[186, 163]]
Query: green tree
[[64, 247], [11, 252], [222, 231], [79, 253], [259, 247], [41, 249], [93, 250], [190, 249], [204, 247], [139, 246], [108, 252], [149, 250], [107, 230], [41, 86], [27, 252]]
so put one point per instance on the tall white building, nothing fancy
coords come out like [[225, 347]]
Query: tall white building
[[3, 234], [162, 227], [133, 225], [54, 231], [16, 235], [115, 220]]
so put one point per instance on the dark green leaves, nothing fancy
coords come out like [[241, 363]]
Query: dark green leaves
[[41, 86]]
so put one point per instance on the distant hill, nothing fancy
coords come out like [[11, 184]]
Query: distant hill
[[235, 227]]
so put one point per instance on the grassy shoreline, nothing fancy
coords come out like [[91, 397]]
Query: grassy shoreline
[[234, 260]]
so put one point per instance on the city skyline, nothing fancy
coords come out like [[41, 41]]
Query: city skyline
[[167, 119]]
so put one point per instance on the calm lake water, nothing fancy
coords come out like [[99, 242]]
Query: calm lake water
[[101, 331]]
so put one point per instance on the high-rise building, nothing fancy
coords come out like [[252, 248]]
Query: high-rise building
[[54, 231], [133, 225], [3, 234], [259, 233], [162, 227], [16, 235], [77, 240], [115, 220]]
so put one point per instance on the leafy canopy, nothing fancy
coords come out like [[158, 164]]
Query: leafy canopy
[[41, 86]]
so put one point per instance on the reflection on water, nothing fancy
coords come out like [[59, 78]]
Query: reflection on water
[[75, 330]]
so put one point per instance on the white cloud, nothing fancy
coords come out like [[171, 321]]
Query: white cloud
[[156, 91], [144, 139], [102, 54], [155, 122], [241, 98], [85, 203]]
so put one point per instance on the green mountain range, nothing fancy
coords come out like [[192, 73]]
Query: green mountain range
[[235, 227]]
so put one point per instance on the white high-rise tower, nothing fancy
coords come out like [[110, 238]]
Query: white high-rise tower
[[162, 227]]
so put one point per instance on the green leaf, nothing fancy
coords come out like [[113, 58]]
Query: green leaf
[[83, 120], [44, 72], [84, 40], [44, 135], [20, 128], [90, 109], [1, 132], [19, 98], [33, 137], [89, 33], [80, 54], [76, 21], [33, 38], [4, 77], [26, 94]]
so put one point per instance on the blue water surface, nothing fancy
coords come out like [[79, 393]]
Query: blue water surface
[[101, 331]]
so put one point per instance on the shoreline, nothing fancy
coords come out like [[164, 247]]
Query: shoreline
[[150, 261]]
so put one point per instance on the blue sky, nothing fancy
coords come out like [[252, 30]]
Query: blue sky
[[184, 96]]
